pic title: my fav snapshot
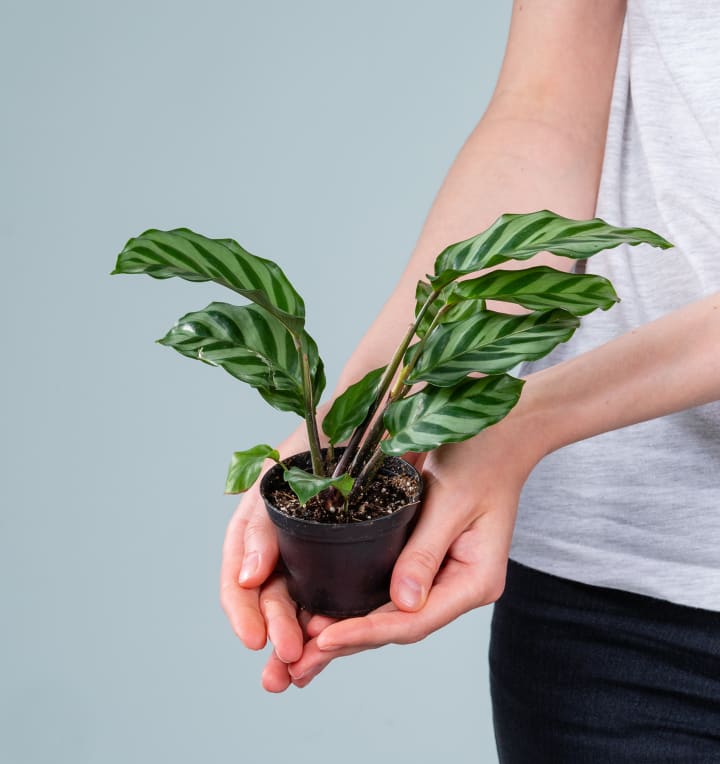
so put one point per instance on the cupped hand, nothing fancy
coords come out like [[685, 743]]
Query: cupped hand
[[455, 560], [253, 596]]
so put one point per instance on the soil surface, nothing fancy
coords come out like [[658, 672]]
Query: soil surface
[[386, 494]]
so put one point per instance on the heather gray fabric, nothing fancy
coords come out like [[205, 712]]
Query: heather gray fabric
[[639, 508]]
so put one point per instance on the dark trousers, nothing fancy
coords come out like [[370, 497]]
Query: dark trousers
[[582, 673]]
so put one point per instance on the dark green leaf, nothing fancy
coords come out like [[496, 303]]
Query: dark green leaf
[[246, 466], [490, 343], [191, 256], [306, 485], [253, 346], [351, 408], [456, 312], [519, 237], [438, 415], [540, 288]]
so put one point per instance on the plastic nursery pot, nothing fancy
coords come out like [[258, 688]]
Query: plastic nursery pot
[[341, 569]]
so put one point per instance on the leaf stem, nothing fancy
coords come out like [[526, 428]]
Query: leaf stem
[[387, 378], [371, 442], [407, 370], [310, 414], [368, 473], [399, 390]]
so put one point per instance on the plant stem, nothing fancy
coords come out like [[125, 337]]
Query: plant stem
[[399, 390], [310, 415], [387, 377], [329, 458], [407, 370], [368, 473], [371, 441]]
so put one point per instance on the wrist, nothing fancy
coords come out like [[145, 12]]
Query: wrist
[[529, 430]]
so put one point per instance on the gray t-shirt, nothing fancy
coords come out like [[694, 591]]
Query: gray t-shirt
[[639, 508]]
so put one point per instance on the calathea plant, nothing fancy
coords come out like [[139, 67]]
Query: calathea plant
[[429, 392]]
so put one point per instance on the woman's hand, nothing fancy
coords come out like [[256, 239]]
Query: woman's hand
[[455, 560], [255, 599], [464, 533]]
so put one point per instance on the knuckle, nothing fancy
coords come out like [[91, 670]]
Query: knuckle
[[255, 529], [425, 559], [412, 637], [489, 590]]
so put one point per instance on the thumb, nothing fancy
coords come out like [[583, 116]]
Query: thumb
[[259, 545], [420, 560]]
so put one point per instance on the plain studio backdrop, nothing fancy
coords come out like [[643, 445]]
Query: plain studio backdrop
[[314, 133]]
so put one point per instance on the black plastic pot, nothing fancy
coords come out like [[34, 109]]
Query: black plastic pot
[[340, 569]]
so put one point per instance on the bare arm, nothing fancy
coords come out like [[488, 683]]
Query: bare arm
[[540, 145], [662, 367]]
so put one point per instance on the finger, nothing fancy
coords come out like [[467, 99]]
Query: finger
[[275, 676], [240, 605], [314, 661], [260, 550], [317, 623], [280, 614], [416, 459], [243, 611]]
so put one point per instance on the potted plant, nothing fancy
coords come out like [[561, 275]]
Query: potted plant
[[344, 513]]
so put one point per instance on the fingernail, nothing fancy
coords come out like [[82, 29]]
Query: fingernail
[[410, 593], [249, 566], [325, 644]]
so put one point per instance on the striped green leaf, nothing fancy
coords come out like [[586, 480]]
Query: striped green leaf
[[519, 237], [540, 288], [305, 485], [438, 415], [194, 257], [245, 467], [458, 311], [490, 343], [351, 408], [251, 345]]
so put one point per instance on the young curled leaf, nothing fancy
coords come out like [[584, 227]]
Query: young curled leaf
[[246, 465], [305, 485]]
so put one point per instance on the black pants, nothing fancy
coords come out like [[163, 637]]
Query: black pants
[[587, 674]]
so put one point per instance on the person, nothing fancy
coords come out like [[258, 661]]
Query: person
[[605, 630]]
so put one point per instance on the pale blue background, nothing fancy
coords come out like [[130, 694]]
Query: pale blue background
[[315, 133]]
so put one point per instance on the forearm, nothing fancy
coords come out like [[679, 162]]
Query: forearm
[[660, 368], [540, 145], [509, 164]]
